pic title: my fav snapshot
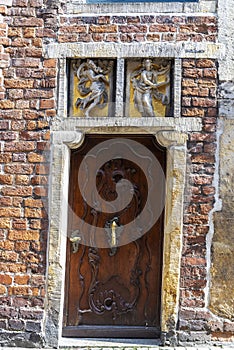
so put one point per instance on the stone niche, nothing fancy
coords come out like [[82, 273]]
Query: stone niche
[[142, 88]]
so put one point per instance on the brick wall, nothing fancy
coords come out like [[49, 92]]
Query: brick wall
[[28, 104], [127, 29]]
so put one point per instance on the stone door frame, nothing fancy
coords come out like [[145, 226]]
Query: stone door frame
[[62, 144], [68, 133]]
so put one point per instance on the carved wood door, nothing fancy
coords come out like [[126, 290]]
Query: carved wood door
[[114, 291]]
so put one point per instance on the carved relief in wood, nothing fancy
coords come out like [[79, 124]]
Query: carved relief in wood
[[119, 285]]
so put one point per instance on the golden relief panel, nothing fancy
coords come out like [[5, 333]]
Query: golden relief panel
[[147, 88], [92, 88]]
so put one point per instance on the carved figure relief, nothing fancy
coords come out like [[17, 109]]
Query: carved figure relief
[[93, 87], [146, 83], [98, 90]]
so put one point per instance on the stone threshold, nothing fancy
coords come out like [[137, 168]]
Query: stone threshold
[[133, 344], [129, 346]]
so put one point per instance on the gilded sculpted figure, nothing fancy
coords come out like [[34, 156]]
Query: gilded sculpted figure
[[145, 84], [92, 85]]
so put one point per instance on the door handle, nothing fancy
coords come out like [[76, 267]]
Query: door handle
[[113, 231], [75, 241], [113, 234]]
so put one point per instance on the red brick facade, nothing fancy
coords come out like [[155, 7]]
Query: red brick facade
[[28, 85]]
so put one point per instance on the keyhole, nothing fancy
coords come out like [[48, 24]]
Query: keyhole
[[108, 303], [117, 178]]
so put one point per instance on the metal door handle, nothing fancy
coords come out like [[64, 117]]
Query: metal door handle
[[75, 241], [113, 234]]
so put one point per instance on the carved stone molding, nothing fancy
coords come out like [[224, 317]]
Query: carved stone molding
[[168, 138], [73, 139]]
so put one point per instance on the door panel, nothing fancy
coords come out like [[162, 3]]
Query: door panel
[[116, 291]]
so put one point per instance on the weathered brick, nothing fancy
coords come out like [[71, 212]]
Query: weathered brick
[[19, 157], [73, 29], [21, 279], [6, 179], [5, 201], [34, 52], [22, 104], [33, 203], [17, 125], [16, 94], [67, 38], [50, 63], [22, 180], [4, 124], [9, 267], [202, 137], [22, 245], [17, 325], [35, 224], [202, 179], [108, 28], [20, 290], [5, 279], [9, 256], [29, 32], [39, 180], [40, 191], [193, 73], [203, 102], [33, 213], [28, 22], [208, 190], [20, 146], [10, 212], [33, 326], [19, 224], [5, 158], [19, 169], [17, 191], [42, 169], [203, 158], [35, 158], [38, 93], [28, 235], [193, 112], [5, 223], [7, 104], [19, 83], [35, 3], [7, 245], [31, 314], [8, 135], [3, 290]]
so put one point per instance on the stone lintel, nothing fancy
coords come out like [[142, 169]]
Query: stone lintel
[[157, 49], [131, 125]]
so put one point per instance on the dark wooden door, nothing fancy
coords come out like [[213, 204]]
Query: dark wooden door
[[115, 291]]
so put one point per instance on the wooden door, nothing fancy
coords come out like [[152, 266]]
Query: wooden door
[[116, 291]]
